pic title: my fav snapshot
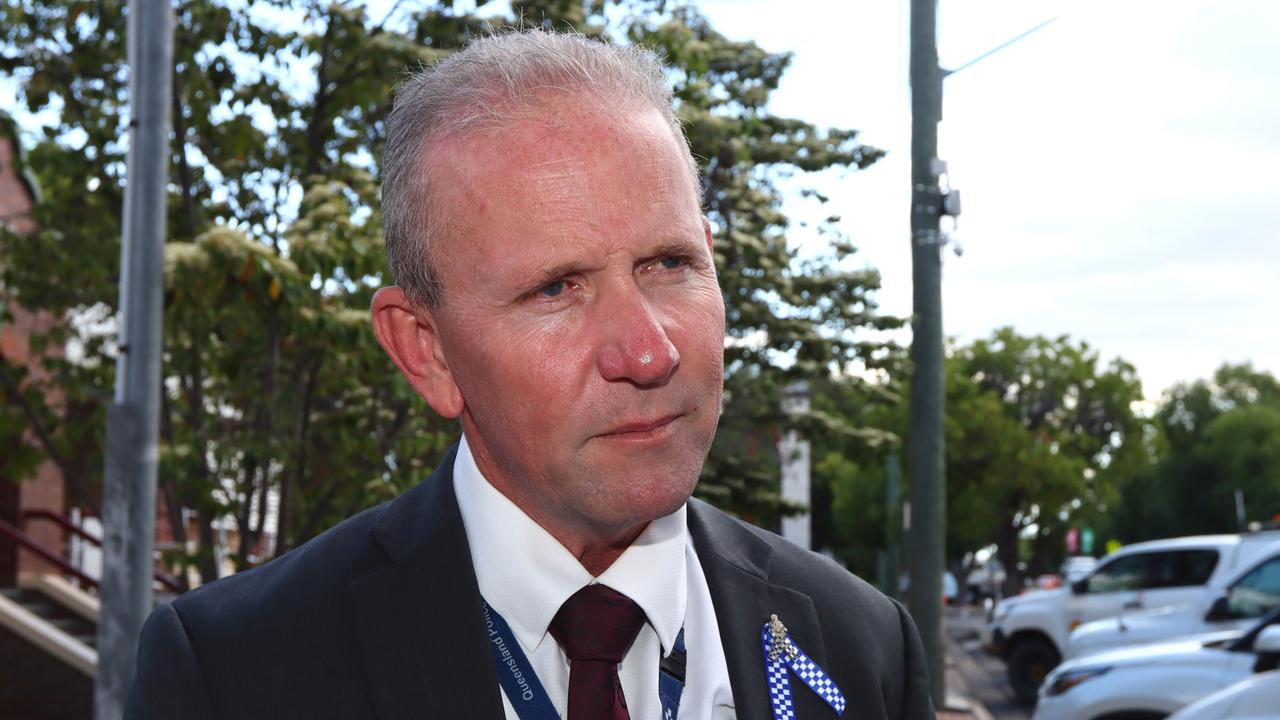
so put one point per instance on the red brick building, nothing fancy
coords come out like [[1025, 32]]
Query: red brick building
[[46, 491]]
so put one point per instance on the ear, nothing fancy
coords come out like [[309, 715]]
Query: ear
[[411, 339]]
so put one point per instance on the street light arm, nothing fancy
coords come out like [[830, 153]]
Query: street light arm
[[998, 48]]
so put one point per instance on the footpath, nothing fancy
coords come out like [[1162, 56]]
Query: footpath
[[962, 703]]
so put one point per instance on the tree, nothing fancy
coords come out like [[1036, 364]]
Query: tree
[[275, 392], [1212, 437], [849, 491], [1034, 427], [1039, 428], [1242, 452], [787, 318]]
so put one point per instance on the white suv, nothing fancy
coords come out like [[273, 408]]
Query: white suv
[[1030, 631], [1254, 698], [1251, 593], [1150, 681]]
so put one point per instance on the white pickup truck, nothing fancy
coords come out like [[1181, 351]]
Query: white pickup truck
[[1030, 631], [1254, 698], [1251, 592]]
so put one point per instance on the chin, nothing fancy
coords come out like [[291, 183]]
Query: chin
[[648, 498]]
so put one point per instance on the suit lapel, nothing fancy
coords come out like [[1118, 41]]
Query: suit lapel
[[736, 565], [421, 625], [420, 620]]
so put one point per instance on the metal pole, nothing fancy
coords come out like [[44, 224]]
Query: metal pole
[[924, 444], [128, 508], [892, 532], [794, 451]]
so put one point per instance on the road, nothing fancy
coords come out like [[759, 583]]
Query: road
[[983, 675]]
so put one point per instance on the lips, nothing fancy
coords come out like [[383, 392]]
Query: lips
[[639, 427]]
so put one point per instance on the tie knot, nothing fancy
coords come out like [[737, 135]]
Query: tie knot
[[597, 623]]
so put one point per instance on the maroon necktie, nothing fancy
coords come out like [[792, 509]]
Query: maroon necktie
[[596, 627]]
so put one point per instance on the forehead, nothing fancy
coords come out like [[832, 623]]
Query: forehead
[[550, 140], [559, 179]]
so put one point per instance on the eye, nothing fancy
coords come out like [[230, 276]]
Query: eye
[[551, 289], [673, 262], [551, 293]]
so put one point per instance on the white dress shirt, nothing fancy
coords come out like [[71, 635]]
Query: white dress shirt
[[525, 574]]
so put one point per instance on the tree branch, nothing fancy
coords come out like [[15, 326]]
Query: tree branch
[[73, 478]]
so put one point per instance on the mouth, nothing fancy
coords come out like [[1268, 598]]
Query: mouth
[[640, 430]]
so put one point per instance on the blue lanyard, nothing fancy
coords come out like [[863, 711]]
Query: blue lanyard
[[530, 699]]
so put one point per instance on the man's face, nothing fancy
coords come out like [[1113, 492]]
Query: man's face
[[582, 322]]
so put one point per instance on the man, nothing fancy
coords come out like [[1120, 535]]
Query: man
[[557, 294]]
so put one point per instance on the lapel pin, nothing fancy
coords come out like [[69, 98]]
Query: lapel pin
[[782, 658]]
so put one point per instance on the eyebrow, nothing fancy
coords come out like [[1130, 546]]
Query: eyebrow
[[674, 246], [550, 273]]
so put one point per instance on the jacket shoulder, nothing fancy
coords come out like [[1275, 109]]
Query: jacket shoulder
[[301, 578], [245, 641], [783, 562], [861, 627]]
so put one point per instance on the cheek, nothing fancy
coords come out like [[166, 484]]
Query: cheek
[[697, 328], [539, 363]]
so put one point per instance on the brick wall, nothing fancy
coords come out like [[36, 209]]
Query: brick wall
[[46, 490]]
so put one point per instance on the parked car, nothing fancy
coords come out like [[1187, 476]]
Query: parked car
[[1254, 698], [1077, 568], [1152, 681], [1030, 632], [1244, 597], [984, 581]]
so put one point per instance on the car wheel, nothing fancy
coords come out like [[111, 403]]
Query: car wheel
[[1030, 660]]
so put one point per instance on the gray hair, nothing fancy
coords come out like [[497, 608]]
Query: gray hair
[[486, 87]]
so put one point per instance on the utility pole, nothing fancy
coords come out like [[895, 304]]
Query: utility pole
[[794, 451], [889, 575], [924, 444], [129, 496], [925, 522]]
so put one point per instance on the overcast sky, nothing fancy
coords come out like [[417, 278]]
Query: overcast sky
[[1120, 168]]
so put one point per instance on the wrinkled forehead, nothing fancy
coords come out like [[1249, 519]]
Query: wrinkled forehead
[[561, 180], [550, 131], [555, 154]]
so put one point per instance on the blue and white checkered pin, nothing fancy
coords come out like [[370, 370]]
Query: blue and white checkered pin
[[782, 654]]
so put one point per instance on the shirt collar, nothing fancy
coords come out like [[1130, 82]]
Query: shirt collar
[[526, 574]]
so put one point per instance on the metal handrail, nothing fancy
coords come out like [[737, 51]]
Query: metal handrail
[[169, 582], [64, 523], [39, 548]]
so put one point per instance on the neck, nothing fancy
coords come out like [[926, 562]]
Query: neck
[[596, 557], [596, 548]]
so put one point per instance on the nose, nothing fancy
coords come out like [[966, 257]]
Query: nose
[[634, 346]]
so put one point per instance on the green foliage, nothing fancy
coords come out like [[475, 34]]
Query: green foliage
[[787, 318], [1034, 429], [22, 459], [1210, 438], [1242, 451], [857, 498], [273, 384], [1047, 459]]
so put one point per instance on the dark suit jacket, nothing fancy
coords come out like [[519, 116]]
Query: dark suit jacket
[[380, 617]]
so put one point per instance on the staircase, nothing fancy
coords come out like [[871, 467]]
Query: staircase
[[48, 629], [47, 654], [55, 614]]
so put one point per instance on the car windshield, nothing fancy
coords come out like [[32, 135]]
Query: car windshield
[[1257, 592], [1245, 643]]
